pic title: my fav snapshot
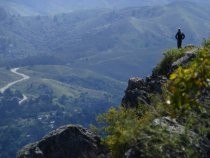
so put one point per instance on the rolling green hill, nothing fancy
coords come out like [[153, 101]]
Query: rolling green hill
[[64, 80]]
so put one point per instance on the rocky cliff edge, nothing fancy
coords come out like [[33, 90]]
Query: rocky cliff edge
[[70, 141]]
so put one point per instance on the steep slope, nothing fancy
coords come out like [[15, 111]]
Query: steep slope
[[168, 115]]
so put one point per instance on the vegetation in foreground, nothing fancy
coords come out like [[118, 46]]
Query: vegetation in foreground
[[184, 103]]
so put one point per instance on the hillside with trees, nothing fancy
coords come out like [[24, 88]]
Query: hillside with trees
[[128, 40]]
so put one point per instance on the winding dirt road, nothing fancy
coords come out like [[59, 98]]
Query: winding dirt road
[[24, 77]]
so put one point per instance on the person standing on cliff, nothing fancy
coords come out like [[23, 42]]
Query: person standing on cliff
[[179, 37]]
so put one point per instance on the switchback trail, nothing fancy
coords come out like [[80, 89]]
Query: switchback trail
[[24, 77]]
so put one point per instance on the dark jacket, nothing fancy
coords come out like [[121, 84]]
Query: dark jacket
[[180, 36]]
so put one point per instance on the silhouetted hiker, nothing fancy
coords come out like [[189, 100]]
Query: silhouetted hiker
[[179, 36]]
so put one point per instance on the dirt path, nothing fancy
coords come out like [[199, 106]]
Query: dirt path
[[24, 77]]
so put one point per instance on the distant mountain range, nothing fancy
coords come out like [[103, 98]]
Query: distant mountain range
[[31, 7], [118, 43], [36, 7]]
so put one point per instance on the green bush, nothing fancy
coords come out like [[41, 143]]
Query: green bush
[[170, 56], [123, 127], [186, 84]]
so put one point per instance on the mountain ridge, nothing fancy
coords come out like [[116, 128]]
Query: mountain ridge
[[57, 6], [30, 7], [99, 38]]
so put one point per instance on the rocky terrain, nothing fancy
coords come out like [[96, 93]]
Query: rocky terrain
[[70, 141], [139, 90]]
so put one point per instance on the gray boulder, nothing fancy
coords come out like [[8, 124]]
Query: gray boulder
[[70, 141], [139, 90]]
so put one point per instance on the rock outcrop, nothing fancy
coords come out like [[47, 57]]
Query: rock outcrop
[[139, 90], [70, 141]]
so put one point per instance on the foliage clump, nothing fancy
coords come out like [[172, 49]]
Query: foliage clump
[[186, 84], [123, 128], [184, 99], [170, 56]]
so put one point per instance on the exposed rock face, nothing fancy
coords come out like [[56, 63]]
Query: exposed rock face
[[70, 141], [139, 90]]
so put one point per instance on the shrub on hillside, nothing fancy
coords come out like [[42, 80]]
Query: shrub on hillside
[[170, 56], [183, 100], [187, 83]]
